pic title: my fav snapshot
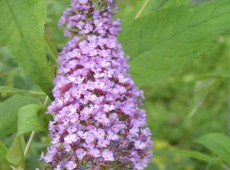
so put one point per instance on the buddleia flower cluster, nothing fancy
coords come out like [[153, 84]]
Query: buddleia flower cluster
[[98, 121]]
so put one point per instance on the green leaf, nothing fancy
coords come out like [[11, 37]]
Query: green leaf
[[29, 120], [15, 155], [3, 151], [22, 23], [9, 113], [192, 154], [218, 143], [11, 90], [163, 42]]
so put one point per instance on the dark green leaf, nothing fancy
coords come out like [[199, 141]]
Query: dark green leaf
[[11, 90], [219, 144], [163, 42], [15, 155], [29, 120], [9, 113], [22, 23], [3, 151]]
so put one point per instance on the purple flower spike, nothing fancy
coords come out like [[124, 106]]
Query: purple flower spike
[[98, 121]]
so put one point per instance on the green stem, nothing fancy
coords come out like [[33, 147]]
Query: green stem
[[51, 48], [142, 9], [29, 143], [16, 168], [46, 101], [228, 55]]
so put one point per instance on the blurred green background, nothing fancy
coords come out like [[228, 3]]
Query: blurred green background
[[180, 108]]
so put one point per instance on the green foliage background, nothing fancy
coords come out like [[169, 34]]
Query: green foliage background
[[180, 57]]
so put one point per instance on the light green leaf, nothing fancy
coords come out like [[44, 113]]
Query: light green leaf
[[11, 90], [192, 154], [3, 151], [218, 143], [29, 120], [22, 23], [9, 113], [15, 155], [163, 42]]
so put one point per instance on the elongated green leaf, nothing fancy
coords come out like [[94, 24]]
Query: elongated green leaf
[[15, 155], [22, 25], [163, 42], [29, 120], [219, 144], [5, 89], [9, 113], [192, 154], [3, 151]]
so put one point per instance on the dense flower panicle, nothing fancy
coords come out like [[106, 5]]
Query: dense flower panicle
[[98, 122]]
